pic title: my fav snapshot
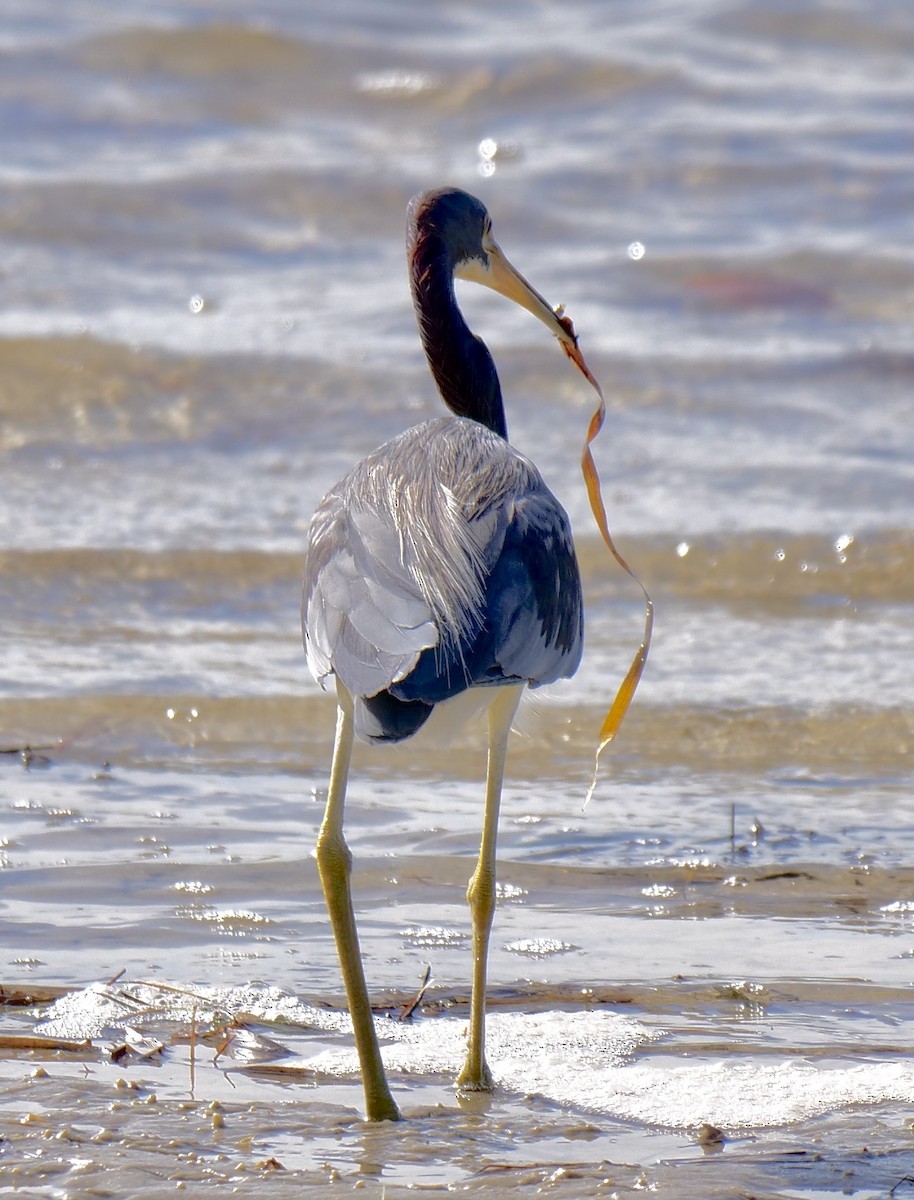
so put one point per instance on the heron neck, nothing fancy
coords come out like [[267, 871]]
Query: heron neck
[[460, 362]]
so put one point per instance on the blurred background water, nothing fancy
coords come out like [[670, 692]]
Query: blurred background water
[[205, 319]]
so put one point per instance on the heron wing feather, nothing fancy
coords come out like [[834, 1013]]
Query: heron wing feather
[[363, 617], [535, 609], [441, 562], [532, 625]]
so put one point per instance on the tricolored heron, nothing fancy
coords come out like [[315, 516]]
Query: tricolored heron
[[441, 562]]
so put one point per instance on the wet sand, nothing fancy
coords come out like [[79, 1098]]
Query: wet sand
[[202, 1103]]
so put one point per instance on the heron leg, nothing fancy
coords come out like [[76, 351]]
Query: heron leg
[[334, 861], [476, 1075]]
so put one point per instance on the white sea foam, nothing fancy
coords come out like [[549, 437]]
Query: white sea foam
[[592, 1061]]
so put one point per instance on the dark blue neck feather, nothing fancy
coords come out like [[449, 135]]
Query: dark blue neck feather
[[459, 361]]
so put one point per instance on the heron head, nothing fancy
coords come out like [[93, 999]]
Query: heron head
[[453, 222], [461, 228]]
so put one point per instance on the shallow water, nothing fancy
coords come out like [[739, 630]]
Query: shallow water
[[205, 320]]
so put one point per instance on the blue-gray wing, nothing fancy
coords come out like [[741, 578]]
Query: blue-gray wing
[[363, 616], [441, 562], [531, 629]]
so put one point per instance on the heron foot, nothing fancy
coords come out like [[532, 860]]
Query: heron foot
[[475, 1077], [381, 1106]]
